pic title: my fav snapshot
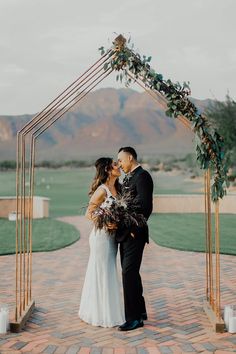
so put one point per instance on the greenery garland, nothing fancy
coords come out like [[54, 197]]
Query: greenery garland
[[210, 147]]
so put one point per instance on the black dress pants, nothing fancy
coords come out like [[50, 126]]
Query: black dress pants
[[131, 252]]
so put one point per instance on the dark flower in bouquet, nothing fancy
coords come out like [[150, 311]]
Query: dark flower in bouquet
[[122, 209]]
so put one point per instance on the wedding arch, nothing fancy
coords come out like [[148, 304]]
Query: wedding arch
[[130, 68]]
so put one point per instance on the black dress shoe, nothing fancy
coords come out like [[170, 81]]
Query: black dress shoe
[[144, 316], [130, 325]]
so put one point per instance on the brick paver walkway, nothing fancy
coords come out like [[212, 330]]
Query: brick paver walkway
[[174, 290]]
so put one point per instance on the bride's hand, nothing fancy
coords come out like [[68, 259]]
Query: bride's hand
[[112, 226]]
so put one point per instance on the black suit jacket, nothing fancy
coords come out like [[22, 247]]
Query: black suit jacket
[[140, 185]]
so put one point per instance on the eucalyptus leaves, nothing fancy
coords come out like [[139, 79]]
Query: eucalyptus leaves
[[209, 149]]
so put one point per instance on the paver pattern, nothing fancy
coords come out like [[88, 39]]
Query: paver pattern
[[174, 287]]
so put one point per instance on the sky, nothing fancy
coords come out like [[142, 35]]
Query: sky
[[46, 44]]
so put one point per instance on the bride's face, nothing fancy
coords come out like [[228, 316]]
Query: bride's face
[[115, 169]]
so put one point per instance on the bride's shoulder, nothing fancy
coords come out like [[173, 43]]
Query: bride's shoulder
[[99, 195], [101, 191], [104, 188]]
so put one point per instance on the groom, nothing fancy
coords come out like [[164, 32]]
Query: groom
[[139, 183]]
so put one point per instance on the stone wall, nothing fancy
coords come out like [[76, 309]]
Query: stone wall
[[40, 207], [190, 203]]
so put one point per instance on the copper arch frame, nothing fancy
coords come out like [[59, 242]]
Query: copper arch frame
[[72, 95]]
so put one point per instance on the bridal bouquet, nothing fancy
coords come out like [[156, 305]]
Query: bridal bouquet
[[120, 209]]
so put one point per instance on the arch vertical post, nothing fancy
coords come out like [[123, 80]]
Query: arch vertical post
[[212, 255]]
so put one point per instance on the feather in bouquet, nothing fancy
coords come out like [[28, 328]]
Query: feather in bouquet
[[123, 209]]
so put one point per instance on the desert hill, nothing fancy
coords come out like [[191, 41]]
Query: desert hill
[[105, 120]]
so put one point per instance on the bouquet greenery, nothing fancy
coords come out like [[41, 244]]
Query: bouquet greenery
[[121, 209]]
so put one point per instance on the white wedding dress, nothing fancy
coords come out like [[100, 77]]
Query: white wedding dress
[[101, 303]]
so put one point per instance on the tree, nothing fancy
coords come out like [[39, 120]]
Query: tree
[[223, 116], [7, 165]]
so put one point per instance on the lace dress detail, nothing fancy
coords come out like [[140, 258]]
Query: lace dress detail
[[101, 303]]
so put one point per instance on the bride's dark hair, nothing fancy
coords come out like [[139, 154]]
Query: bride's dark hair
[[103, 166]]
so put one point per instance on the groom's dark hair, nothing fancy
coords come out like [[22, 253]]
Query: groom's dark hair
[[130, 150]]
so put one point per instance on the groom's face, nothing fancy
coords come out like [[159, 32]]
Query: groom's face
[[125, 161]]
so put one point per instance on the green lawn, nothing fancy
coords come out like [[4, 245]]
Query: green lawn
[[68, 193], [167, 183], [187, 231], [178, 231], [68, 188], [48, 235]]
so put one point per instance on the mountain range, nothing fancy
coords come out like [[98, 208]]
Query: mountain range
[[105, 120]]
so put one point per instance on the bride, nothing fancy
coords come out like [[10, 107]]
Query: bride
[[100, 300]]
